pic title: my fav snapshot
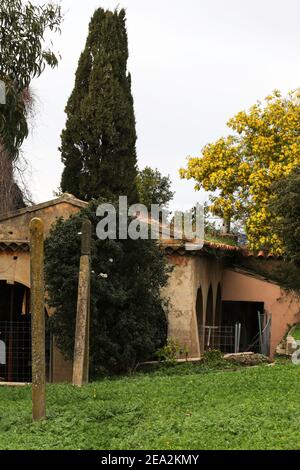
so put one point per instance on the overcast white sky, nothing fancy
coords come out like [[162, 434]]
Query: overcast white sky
[[194, 64]]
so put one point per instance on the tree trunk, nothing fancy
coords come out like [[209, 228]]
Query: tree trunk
[[11, 197], [226, 226]]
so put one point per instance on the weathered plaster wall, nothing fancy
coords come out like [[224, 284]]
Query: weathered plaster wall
[[284, 307], [188, 275], [15, 265], [17, 227], [208, 272]]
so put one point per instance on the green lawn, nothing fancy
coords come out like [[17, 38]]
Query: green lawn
[[296, 332], [249, 408]]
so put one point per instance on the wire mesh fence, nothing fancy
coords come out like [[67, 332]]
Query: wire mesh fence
[[15, 351], [223, 338]]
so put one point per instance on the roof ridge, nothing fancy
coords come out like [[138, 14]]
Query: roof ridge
[[66, 197]]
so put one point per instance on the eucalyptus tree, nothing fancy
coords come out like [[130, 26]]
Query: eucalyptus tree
[[24, 54]]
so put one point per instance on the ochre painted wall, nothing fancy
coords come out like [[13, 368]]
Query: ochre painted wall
[[15, 265], [283, 306], [17, 227], [188, 275]]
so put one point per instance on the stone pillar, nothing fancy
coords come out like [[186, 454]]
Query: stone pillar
[[81, 349], [38, 319]]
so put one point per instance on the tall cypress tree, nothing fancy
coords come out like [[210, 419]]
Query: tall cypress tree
[[99, 141]]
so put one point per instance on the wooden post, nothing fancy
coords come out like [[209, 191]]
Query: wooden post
[[38, 319], [81, 349]]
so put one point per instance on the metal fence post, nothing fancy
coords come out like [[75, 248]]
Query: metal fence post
[[237, 337]]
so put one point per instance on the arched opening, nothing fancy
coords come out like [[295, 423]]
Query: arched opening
[[15, 333], [200, 319], [209, 320]]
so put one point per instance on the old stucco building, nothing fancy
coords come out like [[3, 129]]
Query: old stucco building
[[15, 290], [208, 295]]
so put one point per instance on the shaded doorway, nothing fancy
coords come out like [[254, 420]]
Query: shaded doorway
[[245, 313], [15, 334]]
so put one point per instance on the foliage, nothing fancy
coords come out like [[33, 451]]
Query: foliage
[[98, 144], [250, 408], [24, 56], [213, 357], [172, 368], [242, 167], [169, 352], [296, 332], [280, 270], [128, 321], [154, 188], [219, 238], [212, 230], [285, 205]]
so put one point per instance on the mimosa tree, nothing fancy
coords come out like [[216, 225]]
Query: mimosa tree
[[241, 168]]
